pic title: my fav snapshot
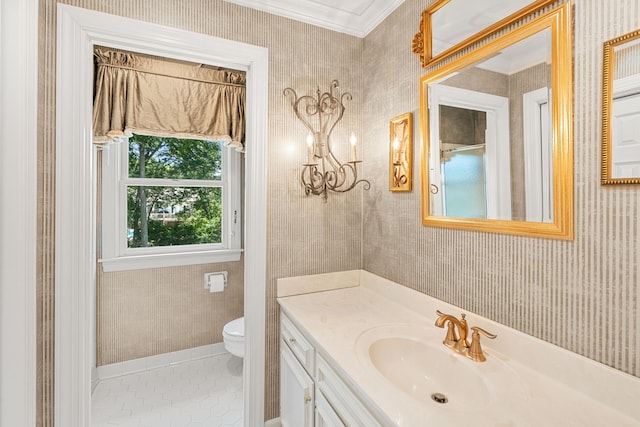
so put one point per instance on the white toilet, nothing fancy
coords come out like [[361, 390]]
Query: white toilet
[[233, 336]]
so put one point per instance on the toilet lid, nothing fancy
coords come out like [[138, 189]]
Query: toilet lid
[[235, 327]]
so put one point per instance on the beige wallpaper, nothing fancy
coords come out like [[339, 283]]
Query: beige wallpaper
[[581, 295], [481, 80], [626, 60], [305, 235], [147, 312]]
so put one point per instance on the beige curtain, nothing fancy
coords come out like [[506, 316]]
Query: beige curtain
[[137, 93]]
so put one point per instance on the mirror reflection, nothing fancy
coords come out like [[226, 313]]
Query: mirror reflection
[[621, 130], [497, 124], [490, 153], [456, 20]]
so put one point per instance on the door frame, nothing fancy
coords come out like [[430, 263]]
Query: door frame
[[497, 151], [18, 211], [75, 248], [538, 156]]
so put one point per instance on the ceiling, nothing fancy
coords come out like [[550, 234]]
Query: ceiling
[[354, 17], [534, 50]]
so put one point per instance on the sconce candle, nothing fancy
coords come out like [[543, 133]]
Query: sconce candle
[[310, 148], [324, 172], [396, 150], [354, 150]]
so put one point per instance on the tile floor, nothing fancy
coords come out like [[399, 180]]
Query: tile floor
[[200, 393]]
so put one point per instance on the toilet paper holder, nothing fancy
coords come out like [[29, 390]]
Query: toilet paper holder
[[211, 279]]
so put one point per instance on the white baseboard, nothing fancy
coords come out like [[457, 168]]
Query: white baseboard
[[94, 378], [158, 361], [275, 422]]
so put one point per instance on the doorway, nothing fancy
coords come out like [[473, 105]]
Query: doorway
[[78, 31], [480, 155]]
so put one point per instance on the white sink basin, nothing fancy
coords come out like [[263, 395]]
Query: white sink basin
[[414, 360], [420, 370]]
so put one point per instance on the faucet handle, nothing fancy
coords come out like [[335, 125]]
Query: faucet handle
[[475, 349], [477, 329], [440, 314], [451, 340]]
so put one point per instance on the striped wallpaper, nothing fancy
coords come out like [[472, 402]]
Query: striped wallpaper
[[143, 313], [627, 59], [581, 295], [305, 235]]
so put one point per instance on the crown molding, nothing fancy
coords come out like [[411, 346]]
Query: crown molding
[[357, 18]]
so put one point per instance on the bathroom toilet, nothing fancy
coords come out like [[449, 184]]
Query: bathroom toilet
[[233, 336]]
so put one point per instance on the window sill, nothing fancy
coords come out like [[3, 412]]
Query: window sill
[[140, 262]]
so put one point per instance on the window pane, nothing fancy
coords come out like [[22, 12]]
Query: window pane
[[162, 157], [170, 216]]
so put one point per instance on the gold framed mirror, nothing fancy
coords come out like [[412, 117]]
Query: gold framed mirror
[[621, 110], [513, 98], [449, 26], [401, 152]]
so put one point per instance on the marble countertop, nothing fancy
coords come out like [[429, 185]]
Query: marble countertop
[[558, 388]]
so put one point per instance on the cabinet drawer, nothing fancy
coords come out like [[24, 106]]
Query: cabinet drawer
[[298, 344], [325, 415], [345, 403]]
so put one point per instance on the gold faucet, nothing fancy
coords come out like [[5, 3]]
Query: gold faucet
[[473, 351], [451, 340]]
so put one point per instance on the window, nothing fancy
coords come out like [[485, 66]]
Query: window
[[169, 201]]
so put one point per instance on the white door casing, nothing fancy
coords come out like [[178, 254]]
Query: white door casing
[[18, 210], [538, 155], [498, 167], [78, 31]]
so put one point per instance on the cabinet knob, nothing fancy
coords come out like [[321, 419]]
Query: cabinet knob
[[307, 399], [292, 340]]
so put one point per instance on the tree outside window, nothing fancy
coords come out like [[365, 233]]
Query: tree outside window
[[174, 192]]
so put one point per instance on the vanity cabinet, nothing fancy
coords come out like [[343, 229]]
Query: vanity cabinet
[[297, 363], [312, 394], [296, 392], [345, 403], [325, 415]]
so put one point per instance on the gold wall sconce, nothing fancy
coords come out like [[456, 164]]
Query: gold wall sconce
[[400, 152], [323, 172]]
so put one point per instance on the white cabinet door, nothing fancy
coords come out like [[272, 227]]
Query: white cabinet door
[[325, 415], [296, 391]]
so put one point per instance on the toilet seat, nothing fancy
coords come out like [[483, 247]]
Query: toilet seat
[[235, 328], [233, 337]]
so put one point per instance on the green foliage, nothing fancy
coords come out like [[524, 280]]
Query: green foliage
[[177, 158], [168, 216]]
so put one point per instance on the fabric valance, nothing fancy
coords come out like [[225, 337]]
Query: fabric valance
[[136, 93]]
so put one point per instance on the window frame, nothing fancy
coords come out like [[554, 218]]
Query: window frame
[[117, 256]]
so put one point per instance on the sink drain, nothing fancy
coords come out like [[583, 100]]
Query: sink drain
[[439, 398]]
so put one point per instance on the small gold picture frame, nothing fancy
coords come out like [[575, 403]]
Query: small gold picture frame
[[620, 85], [400, 152]]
